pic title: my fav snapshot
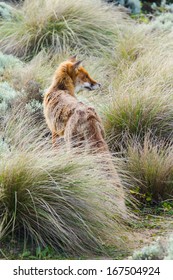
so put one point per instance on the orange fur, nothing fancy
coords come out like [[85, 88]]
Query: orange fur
[[65, 115]]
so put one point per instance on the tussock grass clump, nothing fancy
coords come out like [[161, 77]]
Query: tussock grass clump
[[140, 97], [150, 168], [132, 42], [57, 25], [64, 200], [133, 62], [139, 103], [137, 114]]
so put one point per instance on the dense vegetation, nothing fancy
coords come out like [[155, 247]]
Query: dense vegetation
[[73, 194], [146, 6]]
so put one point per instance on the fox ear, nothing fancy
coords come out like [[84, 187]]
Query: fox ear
[[77, 64], [73, 58]]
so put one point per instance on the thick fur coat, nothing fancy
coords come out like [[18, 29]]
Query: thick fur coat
[[66, 117]]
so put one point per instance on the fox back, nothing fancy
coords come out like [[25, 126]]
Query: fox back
[[60, 100]]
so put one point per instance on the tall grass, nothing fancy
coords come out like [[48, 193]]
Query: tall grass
[[40, 69], [150, 168], [138, 102], [56, 198], [70, 193], [137, 114], [140, 93], [56, 24]]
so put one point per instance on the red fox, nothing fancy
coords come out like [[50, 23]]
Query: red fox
[[73, 121], [65, 115]]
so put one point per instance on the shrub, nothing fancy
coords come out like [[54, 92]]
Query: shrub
[[163, 21], [41, 189], [159, 250], [6, 11], [34, 106], [169, 255], [3, 146], [8, 62], [133, 5], [58, 25], [7, 96], [6, 92], [30, 99], [152, 252]]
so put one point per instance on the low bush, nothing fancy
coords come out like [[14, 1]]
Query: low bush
[[6, 11], [163, 21], [134, 6], [159, 250], [151, 252], [7, 96], [169, 255], [8, 62]]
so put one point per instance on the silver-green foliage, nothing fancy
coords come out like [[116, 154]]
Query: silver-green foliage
[[133, 5], [8, 62], [7, 95], [5, 11], [157, 251], [3, 146], [34, 106], [169, 255], [163, 21], [152, 252]]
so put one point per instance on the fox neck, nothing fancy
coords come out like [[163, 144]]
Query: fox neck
[[62, 81]]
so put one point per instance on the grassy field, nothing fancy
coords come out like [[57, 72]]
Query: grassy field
[[73, 193]]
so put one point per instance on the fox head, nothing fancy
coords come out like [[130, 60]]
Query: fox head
[[80, 77]]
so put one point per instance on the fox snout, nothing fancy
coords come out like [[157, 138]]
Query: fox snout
[[92, 86], [95, 86]]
